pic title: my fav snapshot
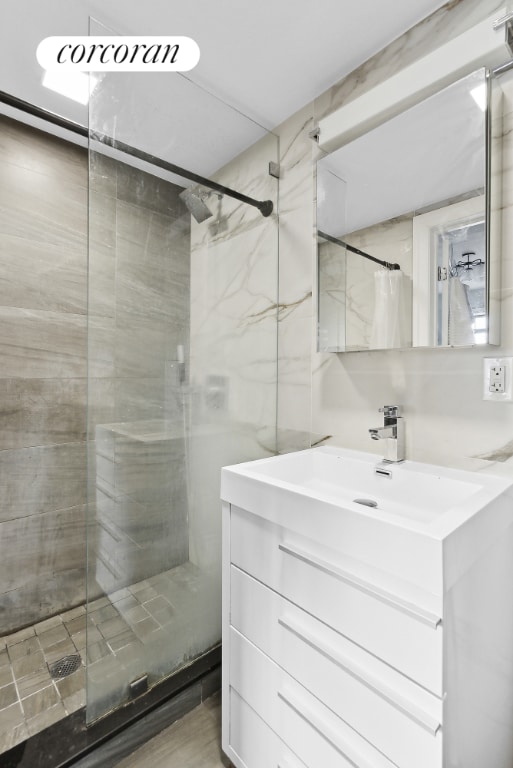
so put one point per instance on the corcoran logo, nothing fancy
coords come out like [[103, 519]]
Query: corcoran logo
[[119, 54]]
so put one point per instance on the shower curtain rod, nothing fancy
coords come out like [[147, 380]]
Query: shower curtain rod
[[264, 206], [351, 248]]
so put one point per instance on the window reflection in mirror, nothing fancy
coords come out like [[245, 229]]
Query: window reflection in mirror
[[450, 248]]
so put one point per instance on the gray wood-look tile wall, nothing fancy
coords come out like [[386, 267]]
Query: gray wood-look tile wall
[[138, 309]]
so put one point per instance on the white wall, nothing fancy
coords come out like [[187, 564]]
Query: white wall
[[337, 396]]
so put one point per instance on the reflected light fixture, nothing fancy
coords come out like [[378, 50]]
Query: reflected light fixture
[[70, 83]]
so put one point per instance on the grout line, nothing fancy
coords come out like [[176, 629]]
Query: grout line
[[17, 690]]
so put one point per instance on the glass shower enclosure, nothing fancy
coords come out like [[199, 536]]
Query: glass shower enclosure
[[182, 356]]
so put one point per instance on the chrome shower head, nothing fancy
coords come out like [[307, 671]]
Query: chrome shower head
[[193, 199]]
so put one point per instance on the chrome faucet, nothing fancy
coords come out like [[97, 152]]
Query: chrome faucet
[[392, 432]]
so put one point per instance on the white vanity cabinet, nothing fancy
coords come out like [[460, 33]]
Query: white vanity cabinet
[[334, 658]]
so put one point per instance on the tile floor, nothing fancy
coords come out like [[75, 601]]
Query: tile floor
[[30, 700], [118, 626], [192, 742]]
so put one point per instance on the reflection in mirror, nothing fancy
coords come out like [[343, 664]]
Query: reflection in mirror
[[450, 257], [412, 192]]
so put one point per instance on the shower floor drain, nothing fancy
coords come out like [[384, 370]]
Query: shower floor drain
[[65, 666]]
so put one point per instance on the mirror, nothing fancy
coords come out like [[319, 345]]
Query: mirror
[[404, 228]]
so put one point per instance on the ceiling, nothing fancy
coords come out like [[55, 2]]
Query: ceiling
[[265, 59]]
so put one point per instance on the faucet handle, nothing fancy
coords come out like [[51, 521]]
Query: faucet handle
[[391, 410]]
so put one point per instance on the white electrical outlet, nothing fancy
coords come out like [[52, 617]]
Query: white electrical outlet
[[498, 379]]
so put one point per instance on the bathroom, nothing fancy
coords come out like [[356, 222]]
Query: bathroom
[[132, 376]]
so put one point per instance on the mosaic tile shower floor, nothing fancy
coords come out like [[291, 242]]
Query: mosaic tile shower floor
[[117, 626]]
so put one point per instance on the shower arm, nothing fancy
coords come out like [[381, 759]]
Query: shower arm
[[264, 206], [351, 248]]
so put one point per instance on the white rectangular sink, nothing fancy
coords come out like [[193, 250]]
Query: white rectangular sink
[[418, 496], [429, 523]]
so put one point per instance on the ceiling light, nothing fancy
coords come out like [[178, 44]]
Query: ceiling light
[[71, 83], [479, 96]]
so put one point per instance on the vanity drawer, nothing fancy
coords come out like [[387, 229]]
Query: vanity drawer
[[254, 743], [308, 728], [398, 717], [407, 637]]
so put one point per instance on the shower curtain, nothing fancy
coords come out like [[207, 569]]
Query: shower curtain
[[388, 324], [460, 314]]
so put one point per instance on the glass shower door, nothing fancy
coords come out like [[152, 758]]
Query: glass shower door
[[182, 328]]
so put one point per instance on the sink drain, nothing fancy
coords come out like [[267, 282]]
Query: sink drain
[[65, 666], [366, 502]]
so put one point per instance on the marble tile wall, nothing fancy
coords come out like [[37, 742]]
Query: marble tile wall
[[43, 305], [138, 290], [139, 277], [138, 305], [233, 356], [336, 397], [234, 258], [332, 280], [298, 233]]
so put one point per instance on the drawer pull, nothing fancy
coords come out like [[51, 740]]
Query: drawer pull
[[420, 717], [306, 713], [431, 619]]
